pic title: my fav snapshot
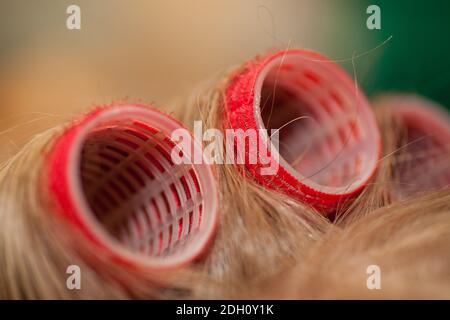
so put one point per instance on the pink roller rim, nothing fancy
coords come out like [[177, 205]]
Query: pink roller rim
[[329, 95], [178, 201]]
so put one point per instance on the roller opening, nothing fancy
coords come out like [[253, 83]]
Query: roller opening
[[423, 160], [137, 196], [327, 138]]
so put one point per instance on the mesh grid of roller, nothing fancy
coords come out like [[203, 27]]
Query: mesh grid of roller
[[422, 161]]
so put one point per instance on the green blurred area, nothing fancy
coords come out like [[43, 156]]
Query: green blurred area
[[158, 37], [417, 58]]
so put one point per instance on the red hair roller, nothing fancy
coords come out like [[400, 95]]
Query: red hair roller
[[423, 163], [329, 142], [112, 177]]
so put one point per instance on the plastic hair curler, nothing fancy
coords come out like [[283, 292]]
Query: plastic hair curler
[[111, 176], [328, 138], [422, 159]]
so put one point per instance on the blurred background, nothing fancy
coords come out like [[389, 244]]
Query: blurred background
[[155, 50]]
